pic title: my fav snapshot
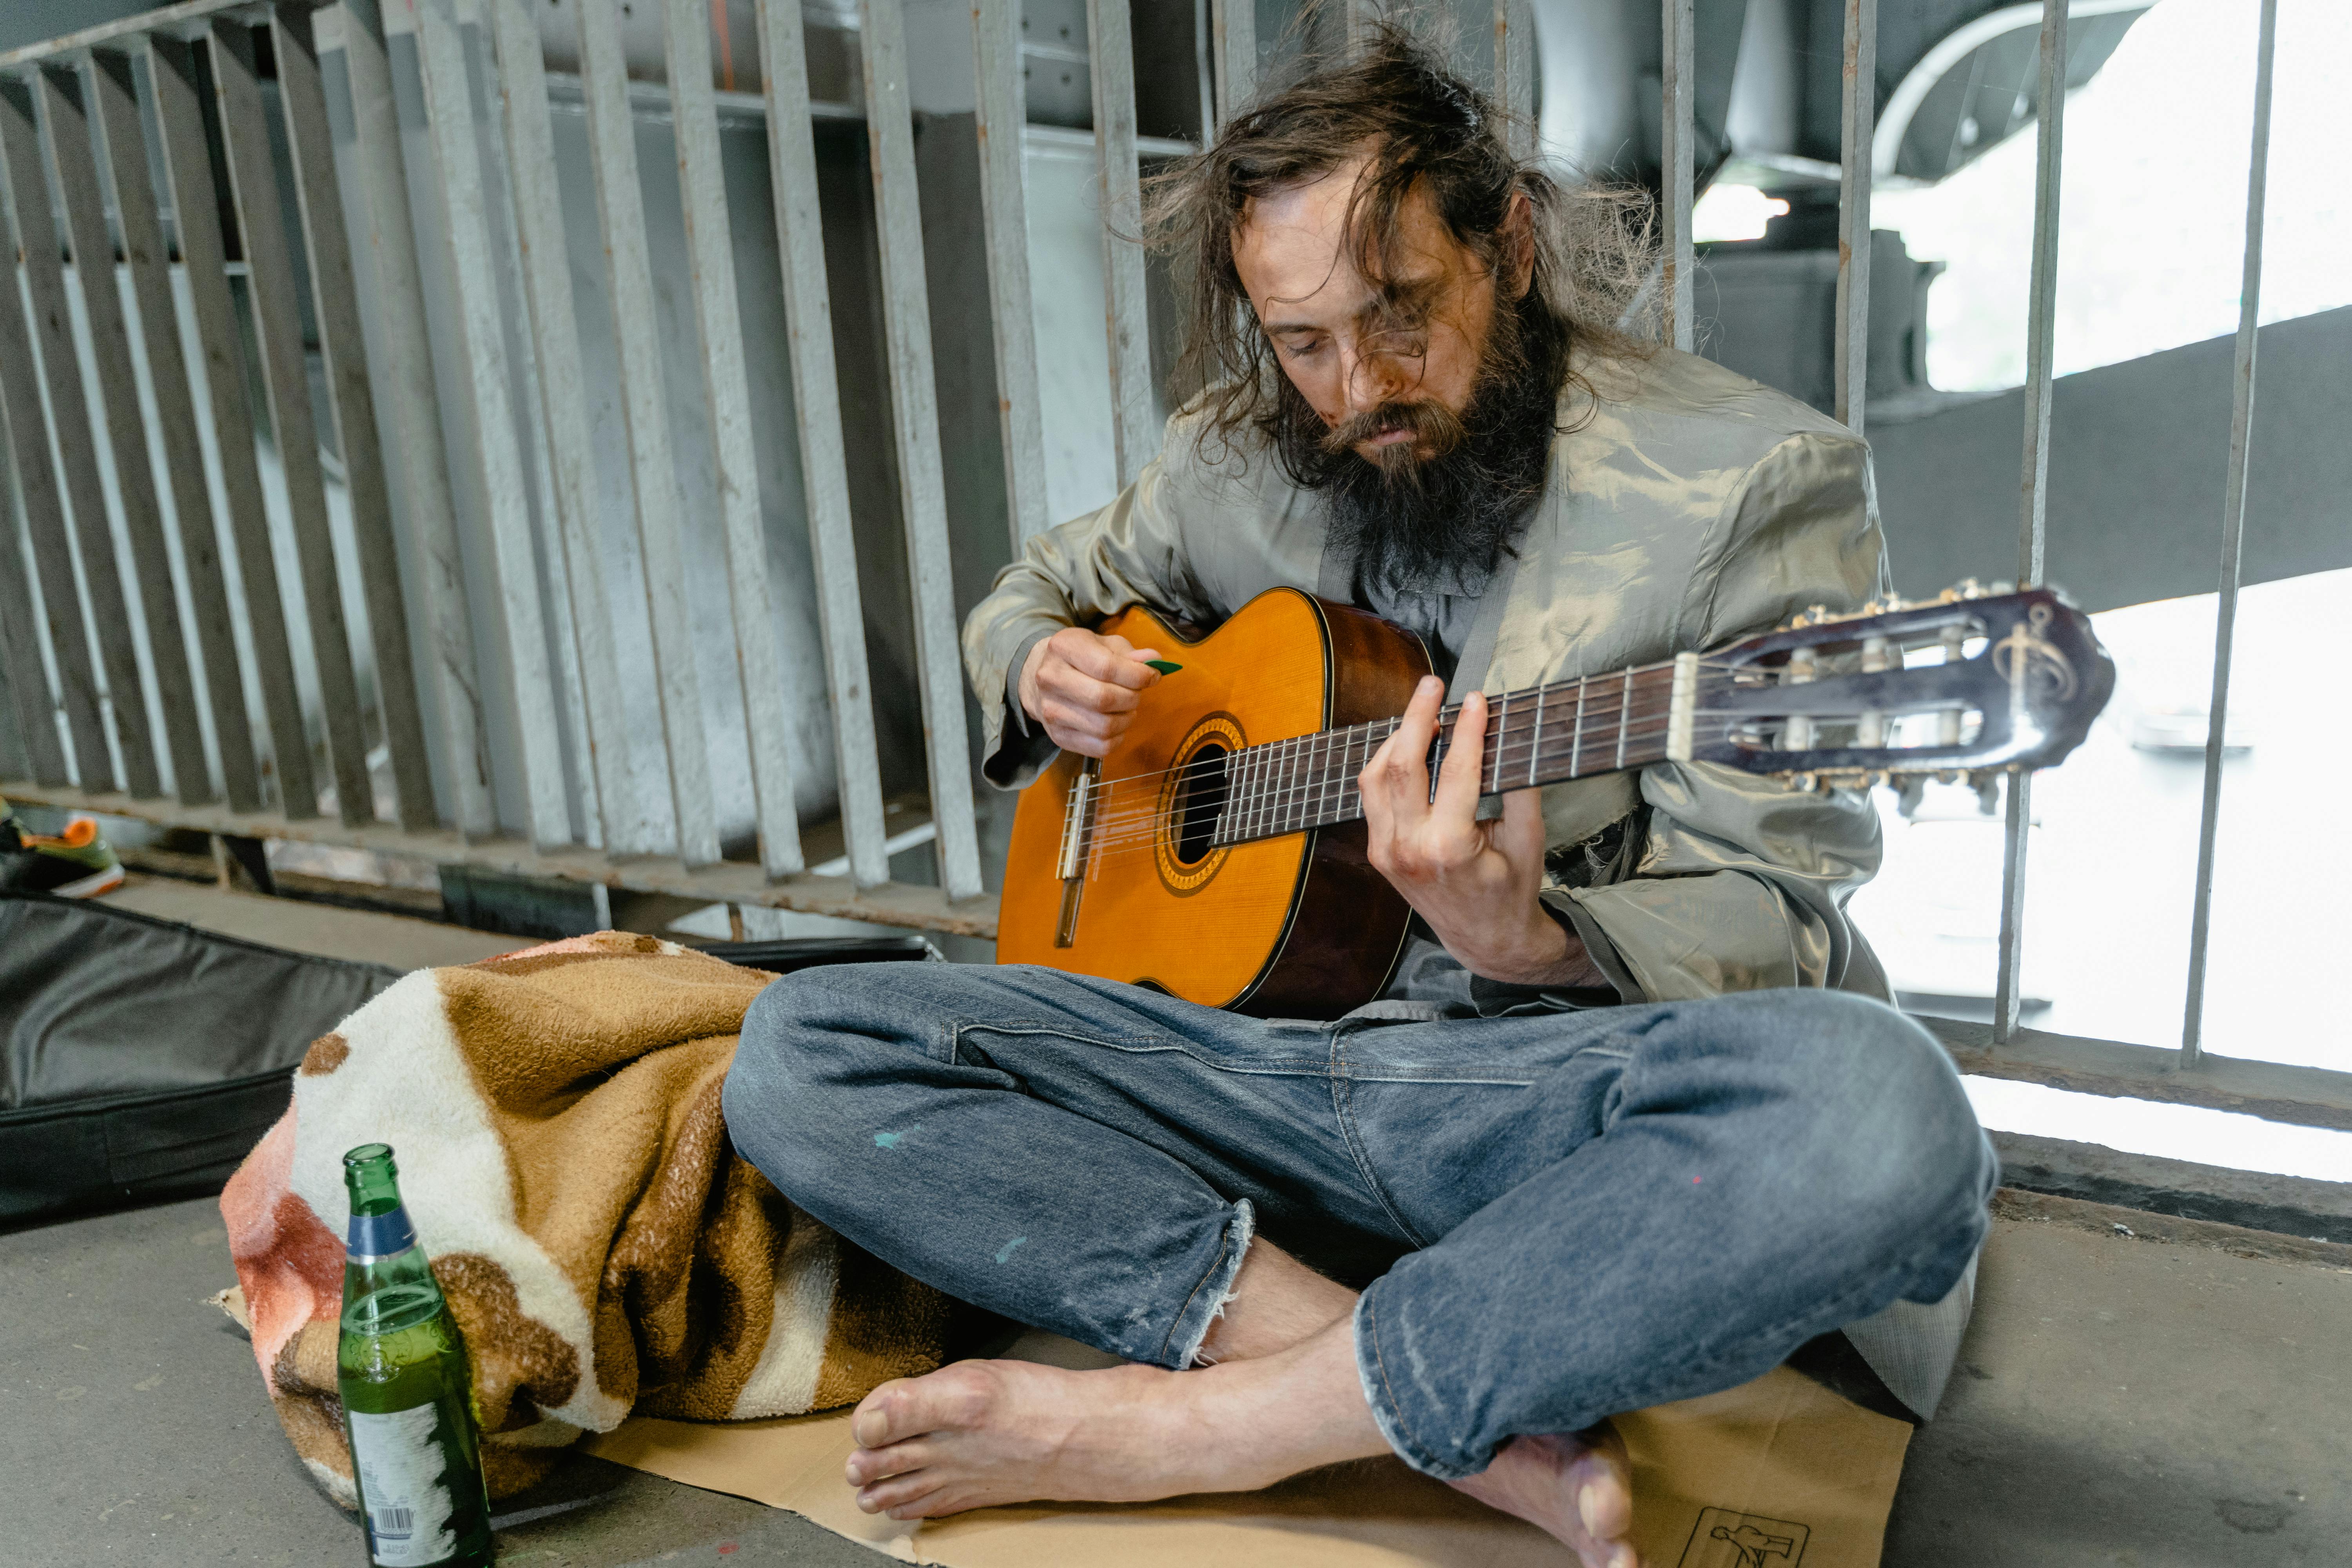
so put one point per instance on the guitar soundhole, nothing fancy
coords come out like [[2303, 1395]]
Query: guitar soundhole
[[1200, 804]]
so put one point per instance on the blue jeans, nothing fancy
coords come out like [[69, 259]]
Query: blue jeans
[[1553, 1218]]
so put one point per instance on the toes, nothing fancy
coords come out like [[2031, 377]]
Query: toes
[[896, 1494], [1606, 1513], [870, 1465], [874, 1425], [953, 1397]]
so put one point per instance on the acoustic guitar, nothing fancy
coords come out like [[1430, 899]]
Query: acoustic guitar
[[1218, 852]]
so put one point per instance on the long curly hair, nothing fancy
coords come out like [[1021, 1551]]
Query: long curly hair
[[1417, 125]]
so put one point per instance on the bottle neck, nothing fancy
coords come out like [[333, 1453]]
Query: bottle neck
[[375, 1238], [379, 1228]]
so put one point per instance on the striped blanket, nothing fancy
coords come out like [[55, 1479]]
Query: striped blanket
[[555, 1114]]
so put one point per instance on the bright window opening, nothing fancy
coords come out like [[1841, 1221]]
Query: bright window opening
[[2152, 204]]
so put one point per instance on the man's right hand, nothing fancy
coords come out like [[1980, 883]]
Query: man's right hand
[[1084, 689]]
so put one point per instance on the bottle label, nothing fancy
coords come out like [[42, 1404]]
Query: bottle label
[[381, 1234], [403, 1485]]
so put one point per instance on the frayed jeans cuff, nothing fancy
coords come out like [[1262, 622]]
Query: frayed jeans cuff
[[1381, 1389], [1207, 1302]]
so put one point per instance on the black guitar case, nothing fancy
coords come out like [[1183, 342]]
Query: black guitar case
[[142, 1059]]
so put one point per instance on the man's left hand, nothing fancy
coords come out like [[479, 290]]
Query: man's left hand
[[1475, 882]]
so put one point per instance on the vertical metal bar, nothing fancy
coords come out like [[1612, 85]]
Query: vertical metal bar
[[1861, 111], [1235, 25], [555, 338], [1677, 132], [727, 391], [1004, 211], [2033, 484], [195, 207], [52, 561], [1515, 72], [922, 489], [76, 167], [404, 377], [449, 107], [35, 717], [285, 380], [1359, 17], [1204, 73], [2234, 518], [350, 401], [149, 264], [816, 404], [1111, 48], [61, 371], [620, 207]]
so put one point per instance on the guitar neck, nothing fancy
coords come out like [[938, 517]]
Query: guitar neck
[[1541, 735]]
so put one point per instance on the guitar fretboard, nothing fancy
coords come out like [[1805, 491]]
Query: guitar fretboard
[[1545, 734]]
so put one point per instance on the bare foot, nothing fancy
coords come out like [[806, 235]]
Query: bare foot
[[980, 1433], [1578, 1488], [985, 1432]]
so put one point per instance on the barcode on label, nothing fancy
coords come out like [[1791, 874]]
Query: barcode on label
[[404, 1486]]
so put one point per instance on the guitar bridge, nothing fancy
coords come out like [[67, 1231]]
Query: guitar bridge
[[1077, 838]]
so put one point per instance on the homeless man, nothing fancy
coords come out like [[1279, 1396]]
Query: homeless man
[[1629, 1126]]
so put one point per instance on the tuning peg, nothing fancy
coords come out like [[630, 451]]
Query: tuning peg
[[1908, 798]]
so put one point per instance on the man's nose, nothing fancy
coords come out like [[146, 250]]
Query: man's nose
[[1375, 376]]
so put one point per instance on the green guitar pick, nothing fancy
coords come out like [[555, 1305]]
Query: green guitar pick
[[1162, 665]]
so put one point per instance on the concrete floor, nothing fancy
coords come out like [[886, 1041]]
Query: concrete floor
[[2160, 1403], [2121, 1400]]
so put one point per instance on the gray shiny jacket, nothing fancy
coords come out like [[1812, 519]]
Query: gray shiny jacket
[[1686, 507]]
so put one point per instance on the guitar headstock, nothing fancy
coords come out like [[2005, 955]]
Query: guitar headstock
[[1968, 682]]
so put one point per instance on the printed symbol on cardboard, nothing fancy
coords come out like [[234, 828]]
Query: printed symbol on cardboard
[[1725, 1538]]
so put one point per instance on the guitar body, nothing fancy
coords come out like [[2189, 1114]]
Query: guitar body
[[1296, 926]]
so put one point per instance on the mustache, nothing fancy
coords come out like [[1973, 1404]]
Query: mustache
[[1433, 429]]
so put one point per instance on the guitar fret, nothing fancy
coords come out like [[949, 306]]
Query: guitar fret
[[1625, 716], [1576, 744], [1328, 798], [1502, 727], [1534, 745]]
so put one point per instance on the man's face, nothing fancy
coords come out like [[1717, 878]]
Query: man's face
[[1389, 369]]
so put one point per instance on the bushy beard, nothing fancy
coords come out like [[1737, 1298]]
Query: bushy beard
[[1438, 511]]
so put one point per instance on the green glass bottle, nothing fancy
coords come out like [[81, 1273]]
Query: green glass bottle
[[407, 1396]]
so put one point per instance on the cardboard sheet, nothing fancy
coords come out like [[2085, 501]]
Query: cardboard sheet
[[1778, 1473]]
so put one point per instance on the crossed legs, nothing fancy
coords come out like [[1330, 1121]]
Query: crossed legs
[[1277, 1393], [1558, 1218]]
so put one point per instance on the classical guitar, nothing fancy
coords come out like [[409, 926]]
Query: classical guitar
[[1217, 853]]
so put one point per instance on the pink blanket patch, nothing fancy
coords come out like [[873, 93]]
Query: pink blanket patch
[[289, 1263]]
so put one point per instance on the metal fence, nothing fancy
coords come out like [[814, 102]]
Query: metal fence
[[157, 469]]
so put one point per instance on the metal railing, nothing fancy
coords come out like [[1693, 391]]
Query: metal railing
[[120, 119]]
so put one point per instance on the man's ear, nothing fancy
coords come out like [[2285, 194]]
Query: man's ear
[[1519, 259]]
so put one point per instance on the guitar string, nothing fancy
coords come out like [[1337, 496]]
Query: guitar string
[[1602, 687], [1106, 848], [1136, 818], [1124, 812], [1115, 800], [1126, 820], [1279, 760], [1139, 830], [1271, 758]]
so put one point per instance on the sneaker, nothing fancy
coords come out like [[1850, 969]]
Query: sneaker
[[76, 864]]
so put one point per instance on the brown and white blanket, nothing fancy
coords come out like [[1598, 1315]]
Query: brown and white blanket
[[555, 1115]]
